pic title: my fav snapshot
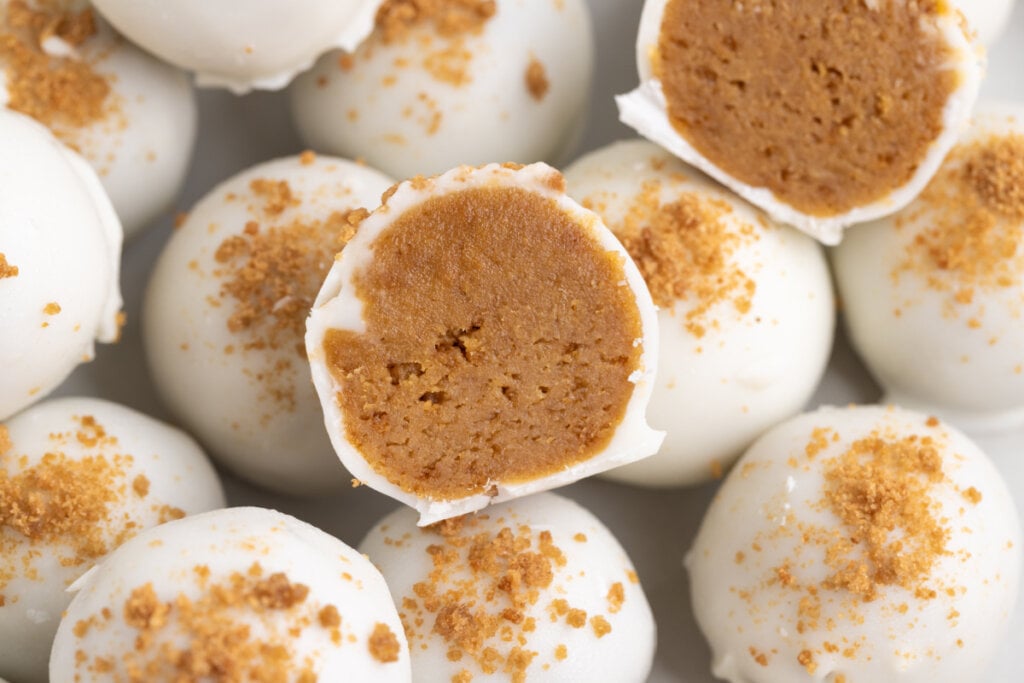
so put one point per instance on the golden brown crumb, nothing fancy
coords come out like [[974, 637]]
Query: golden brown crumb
[[52, 308], [806, 659], [973, 495], [188, 639], [6, 269], [384, 645], [5, 440], [271, 273], [484, 618], [758, 656], [141, 486], [63, 93], [600, 625], [974, 208], [685, 252], [329, 617], [537, 83], [62, 502], [616, 597], [307, 158], [450, 20]]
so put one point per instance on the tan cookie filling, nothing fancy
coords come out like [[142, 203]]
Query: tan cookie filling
[[499, 345], [826, 103]]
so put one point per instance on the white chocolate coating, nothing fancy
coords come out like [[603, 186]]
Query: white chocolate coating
[[418, 124], [262, 47], [67, 253], [141, 148], [339, 307], [746, 371], [644, 109], [593, 564], [178, 479], [759, 567], [987, 17], [230, 542], [961, 359], [253, 406]]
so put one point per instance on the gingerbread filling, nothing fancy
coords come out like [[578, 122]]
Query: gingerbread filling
[[829, 104], [500, 338]]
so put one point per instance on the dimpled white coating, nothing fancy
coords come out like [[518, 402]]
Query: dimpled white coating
[[222, 390], [177, 475], [227, 45], [645, 110], [141, 148], [406, 121], [67, 253], [963, 361], [228, 542], [593, 563], [752, 571], [715, 393], [339, 307]]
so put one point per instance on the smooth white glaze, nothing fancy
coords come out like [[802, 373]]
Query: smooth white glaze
[[919, 345], [407, 122], [261, 47], [593, 564], [228, 542], [67, 252], [227, 399], [178, 475], [757, 522]]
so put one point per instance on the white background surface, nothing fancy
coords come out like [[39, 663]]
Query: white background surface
[[655, 527]]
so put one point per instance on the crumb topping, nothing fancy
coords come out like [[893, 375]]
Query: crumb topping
[[439, 30], [72, 507], [63, 92], [537, 83], [239, 629], [685, 250], [6, 269], [456, 385], [828, 104], [270, 274], [974, 212], [891, 533], [487, 590], [60, 502], [383, 644]]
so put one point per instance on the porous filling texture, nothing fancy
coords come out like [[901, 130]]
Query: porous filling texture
[[499, 342], [828, 104]]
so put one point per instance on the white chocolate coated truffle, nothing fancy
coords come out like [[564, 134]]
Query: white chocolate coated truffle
[[224, 316], [934, 296], [746, 316], [987, 17], [132, 117], [427, 93], [825, 164], [857, 544], [514, 353], [78, 477], [60, 242], [262, 47], [537, 590], [233, 591]]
